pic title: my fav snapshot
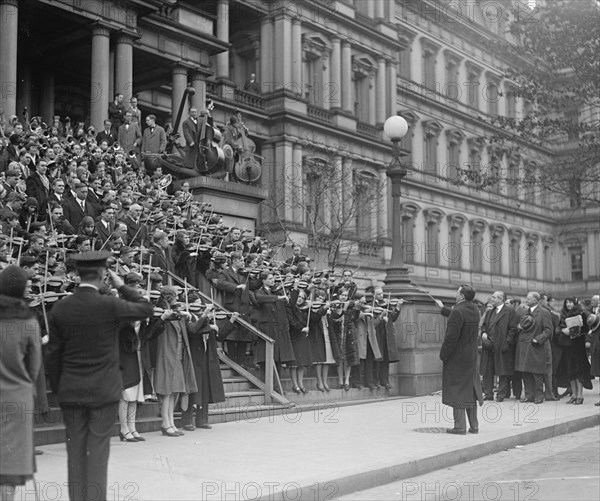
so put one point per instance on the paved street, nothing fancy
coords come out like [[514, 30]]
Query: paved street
[[560, 468], [317, 453]]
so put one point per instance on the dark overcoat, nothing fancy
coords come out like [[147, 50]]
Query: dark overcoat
[[531, 357], [297, 319], [20, 361], [203, 347], [129, 345], [386, 336], [191, 134], [365, 333], [82, 358], [272, 319], [594, 337], [501, 329], [461, 386]]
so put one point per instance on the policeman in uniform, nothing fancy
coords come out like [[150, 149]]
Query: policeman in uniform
[[83, 367]]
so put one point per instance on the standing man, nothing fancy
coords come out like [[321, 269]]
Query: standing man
[[116, 112], [83, 367], [136, 113], [191, 133], [535, 331], [130, 135], [154, 139], [109, 134], [500, 328], [461, 387]]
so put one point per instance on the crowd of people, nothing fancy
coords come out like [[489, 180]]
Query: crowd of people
[[542, 356], [67, 193]]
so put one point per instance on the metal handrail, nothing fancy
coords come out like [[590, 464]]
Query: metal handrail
[[240, 320], [270, 369]]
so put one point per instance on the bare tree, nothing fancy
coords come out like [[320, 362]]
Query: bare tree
[[335, 208]]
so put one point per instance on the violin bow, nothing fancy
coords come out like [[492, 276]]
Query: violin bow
[[43, 301]]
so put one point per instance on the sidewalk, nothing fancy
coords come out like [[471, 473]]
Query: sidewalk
[[320, 452]]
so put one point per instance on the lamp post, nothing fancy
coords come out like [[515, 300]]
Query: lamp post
[[396, 278]]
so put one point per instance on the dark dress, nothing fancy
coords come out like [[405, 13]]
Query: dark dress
[[344, 335], [578, 365], [297, 319], [316, 336], [595, 351]]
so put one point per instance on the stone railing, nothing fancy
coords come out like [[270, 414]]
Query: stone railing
[[319, 114], [367, 129], [369, 248], [249, 99], [211, 88]]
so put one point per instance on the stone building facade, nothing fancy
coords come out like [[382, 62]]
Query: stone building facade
[[328, 74]]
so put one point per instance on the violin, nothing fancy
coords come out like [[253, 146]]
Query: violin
[[46, 298]]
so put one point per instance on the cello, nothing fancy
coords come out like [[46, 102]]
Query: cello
[[247, 168]]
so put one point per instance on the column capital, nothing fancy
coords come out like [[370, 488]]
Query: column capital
[[126, 38], [100, 29], [199, 73], [14, 3], [179, 68]]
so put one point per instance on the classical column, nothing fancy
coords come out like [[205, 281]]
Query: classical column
[[99, 89], [382, 209], [370, 9], [337, 192], [198, 81], [296, 84], [266, 54], [25, 78], [348, 187], [328, 92], [381, 93], [223, 36], [285, 164], [335, 73], [372, 102], [391, 108], [124, 67], [347, 76], [298, 211], [47, 96], [179, 83], [379, 9], [391, 13], [283, 52], [111, 75], [9, 17]]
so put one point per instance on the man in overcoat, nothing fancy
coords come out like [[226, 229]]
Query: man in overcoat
[[154, 138], [461, 387], [83, 368], [531, 350], [236, 297], [499, 327]]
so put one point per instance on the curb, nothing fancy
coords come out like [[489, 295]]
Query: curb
[[333, 488]]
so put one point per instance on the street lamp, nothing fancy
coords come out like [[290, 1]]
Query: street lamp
[[396, 279]]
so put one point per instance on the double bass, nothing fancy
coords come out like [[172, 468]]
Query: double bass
[[210, 156], [247, 168]]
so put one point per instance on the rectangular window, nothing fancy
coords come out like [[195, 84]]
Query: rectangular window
[[511, 104], [433, 246], [477, 251], [548, 263], [473, 90], [452, 89], [531, 260], [491, 95], [495, 255], [404, 66], [429, 69], [453, 161], [430, 166], [576, 263], [455, 248], [512, 181], [514, 258], [408, 240]]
